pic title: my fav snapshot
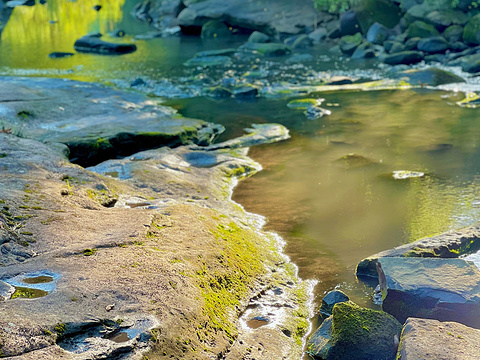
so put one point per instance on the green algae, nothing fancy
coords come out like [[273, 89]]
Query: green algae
[[223, 292], [27, 293]]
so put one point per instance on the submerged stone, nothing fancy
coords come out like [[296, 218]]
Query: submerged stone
[[58, 55], [267, 49], [406, 174], [221, 52], [207, 61], [430, 77], [303, 104]]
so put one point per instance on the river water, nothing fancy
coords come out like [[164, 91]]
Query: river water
[[329, 190]]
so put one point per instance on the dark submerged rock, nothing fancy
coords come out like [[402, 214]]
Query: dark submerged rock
[[92, 44], [215, 29], [430, 76], [431, 339], [267, 49], [403, 57], [356, 333], [58, 55], [436, 44], [421, 29]]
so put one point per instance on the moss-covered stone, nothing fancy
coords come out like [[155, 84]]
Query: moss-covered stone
[[357, 333], [471, 31]]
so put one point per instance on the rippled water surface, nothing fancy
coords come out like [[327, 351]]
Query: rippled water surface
[[328, 190]]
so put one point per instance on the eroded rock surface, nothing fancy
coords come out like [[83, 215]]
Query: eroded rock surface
[[432, 339], [158, 238]]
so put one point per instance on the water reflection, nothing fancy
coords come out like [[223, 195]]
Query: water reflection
[[330, 189]]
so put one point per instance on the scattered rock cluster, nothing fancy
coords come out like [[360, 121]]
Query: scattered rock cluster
[[425, 286]]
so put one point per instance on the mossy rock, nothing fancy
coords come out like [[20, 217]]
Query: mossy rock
[[349, 43], [384, 12], [429, 77], [215, 29], [353, 332], [471, 31], [302, 104], [421, 29]]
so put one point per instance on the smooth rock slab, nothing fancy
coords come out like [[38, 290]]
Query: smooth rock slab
[[441, 289], [111, 124], [431, 339], [447, 245]]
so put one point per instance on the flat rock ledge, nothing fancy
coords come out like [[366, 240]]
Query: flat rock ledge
[[141, 256], [432, 339], [447, 245]]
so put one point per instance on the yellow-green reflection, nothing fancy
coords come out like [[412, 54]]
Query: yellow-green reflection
[[33, 32]]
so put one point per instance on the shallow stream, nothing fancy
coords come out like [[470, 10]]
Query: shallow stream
[[329, 190]]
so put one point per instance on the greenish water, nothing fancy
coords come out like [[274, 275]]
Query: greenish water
[[332, 208]]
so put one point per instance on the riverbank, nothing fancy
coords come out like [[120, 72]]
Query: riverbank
[[144, 256]]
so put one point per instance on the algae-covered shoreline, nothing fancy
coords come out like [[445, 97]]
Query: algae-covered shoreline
[[159, 251]]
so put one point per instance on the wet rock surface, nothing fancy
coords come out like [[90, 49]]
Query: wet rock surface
[[111, 123]]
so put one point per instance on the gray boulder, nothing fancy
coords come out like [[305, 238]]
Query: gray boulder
[[421, 29], [356, 333], [258, 37], [430, 288], [403, 57], [453, 33], [412, 43], [397, 47], [269, 17], [118, 125], [431, 339], [442, 19], [318, 34], [436, 44], [377, 33], [471, 31], [451, 244], [329, 301], [366, 50], [469, 63]]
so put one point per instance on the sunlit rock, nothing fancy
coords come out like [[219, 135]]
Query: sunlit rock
[[353, 332], [406, 174], [431, 339]]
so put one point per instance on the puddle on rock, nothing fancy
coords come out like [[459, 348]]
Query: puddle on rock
[[28, 293], [119, 337], [33, 285], [38, 280], [257, 321]]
